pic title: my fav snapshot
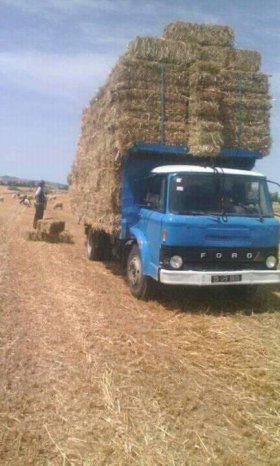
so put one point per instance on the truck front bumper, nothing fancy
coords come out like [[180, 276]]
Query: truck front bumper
[[246, 277]]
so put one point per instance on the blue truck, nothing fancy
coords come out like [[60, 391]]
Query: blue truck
[[189, 220]]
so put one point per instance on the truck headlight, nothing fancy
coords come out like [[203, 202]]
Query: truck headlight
[[271, 262], [176, 262]]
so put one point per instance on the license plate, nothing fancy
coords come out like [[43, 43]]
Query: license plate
[[226, 278]]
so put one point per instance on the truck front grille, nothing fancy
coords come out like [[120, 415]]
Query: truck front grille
[[208, 259]]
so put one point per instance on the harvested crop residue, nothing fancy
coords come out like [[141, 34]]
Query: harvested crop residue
[[89, 376]]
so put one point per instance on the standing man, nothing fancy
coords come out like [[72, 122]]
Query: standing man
[[40, 203]]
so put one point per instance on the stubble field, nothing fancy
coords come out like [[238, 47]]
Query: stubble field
[[89, 376]]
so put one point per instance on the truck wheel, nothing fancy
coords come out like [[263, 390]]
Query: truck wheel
[[139, 284], [106, 247], [94, 246]]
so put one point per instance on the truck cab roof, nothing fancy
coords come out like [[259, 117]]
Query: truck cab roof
[[200, 169]]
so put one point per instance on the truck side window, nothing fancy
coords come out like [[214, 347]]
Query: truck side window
[[155, 193], [138, 188]]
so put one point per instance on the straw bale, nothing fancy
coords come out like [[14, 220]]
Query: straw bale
[[136, 103], [140, 130], [153, 86], [248, 115], [50, 227], [204, 81], [205, 128], [176, 111], [253, 138], [199, 33], [174, 104], [169, 51], [244, 82], [239, 109], [63, 237], [229, 58], [204, 67], [206, 150], [101, 200], [246, 121], [210, 94], [247, 128], [145, 95], [258, 102], [131, 69], [95, 198], [215, 54], [72, 175], [205, 137], [204, 109], [244, 60]]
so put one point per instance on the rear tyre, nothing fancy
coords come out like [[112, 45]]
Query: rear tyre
[[95, 246], [139, 284]]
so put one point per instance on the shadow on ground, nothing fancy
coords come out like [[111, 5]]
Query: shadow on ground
[[212, 300], [219, 300]]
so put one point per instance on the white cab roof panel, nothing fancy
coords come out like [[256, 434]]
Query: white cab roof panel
[[199, 169]]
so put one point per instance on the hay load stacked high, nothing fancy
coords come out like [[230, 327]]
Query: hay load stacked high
[[214, 98]]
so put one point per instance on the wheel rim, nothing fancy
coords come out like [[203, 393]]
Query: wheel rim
[[134, 271]]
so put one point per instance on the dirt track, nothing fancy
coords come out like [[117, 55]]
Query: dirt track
[[90, 376]]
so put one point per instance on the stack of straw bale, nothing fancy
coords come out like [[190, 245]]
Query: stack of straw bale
[[205, 127], [52, 231], [214, 98], [51, 227], [245, 109]]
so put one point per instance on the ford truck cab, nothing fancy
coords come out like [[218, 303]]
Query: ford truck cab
[[186, 224]]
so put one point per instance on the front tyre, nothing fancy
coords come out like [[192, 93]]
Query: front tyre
[[139, 284]]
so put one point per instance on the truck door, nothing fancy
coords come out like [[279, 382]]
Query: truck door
[[151, 217]]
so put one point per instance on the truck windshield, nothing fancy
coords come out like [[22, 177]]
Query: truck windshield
[[239, 195]]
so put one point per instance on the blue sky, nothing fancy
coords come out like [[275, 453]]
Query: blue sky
[[54, 54]]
